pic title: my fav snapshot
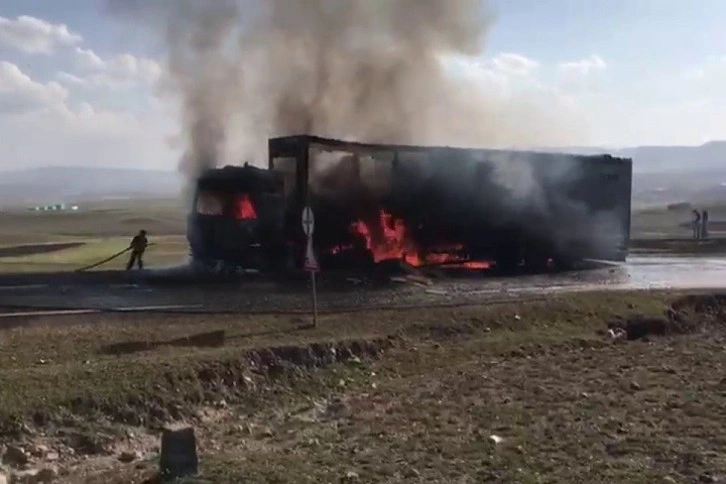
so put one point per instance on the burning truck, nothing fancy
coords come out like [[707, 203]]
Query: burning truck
[[470, 208]]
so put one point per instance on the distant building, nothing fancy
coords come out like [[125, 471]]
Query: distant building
[[57, 207]]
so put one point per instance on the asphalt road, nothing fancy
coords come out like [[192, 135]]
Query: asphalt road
[[111, 292]]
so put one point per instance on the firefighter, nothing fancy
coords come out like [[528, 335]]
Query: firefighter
[[138, 246], [696, 224]]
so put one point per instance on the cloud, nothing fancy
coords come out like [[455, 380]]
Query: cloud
[[87, 59], [517, 89], [72, 112], [19, 94], [122, 71], [71, 79], [74, 134], [514, 64], [125, 66], [86, 136], [36, 36], [586, 66], [497, 74]]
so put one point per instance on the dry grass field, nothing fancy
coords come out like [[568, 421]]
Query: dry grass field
[[517, 392]]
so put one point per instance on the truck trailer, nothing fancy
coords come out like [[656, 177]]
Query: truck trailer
[[443, 206]]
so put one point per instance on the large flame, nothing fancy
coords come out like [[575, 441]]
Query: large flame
[[387, 240]]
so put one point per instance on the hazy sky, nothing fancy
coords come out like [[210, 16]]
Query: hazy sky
[[77, 88]]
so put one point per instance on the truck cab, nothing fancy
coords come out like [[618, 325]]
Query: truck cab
[[236, 220]]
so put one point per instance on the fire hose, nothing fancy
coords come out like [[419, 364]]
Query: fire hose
[[107, 259]]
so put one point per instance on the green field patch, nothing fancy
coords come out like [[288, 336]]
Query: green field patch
[[166, 250]]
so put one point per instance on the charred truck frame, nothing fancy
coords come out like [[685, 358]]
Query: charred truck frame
[[471, 208]]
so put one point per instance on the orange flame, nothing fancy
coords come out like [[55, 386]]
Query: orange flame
[[387, 240], [244, 210]]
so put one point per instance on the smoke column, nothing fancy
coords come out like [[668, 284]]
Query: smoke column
[[361, 70], [243, 71]]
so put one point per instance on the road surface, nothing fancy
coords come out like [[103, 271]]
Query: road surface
[[112, 293]]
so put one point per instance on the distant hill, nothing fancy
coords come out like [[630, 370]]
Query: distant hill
[[666, 174], [662, 174], [661, 159], [668, 187], [71, 184]]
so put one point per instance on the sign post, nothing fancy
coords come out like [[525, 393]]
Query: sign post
[[311, 263]]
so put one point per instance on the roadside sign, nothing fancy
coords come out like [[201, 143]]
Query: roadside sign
[[308, 221], [311, 262], [311, 265]]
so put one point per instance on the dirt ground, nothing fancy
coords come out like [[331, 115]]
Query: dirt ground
[[630, 412], [530, 391]]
